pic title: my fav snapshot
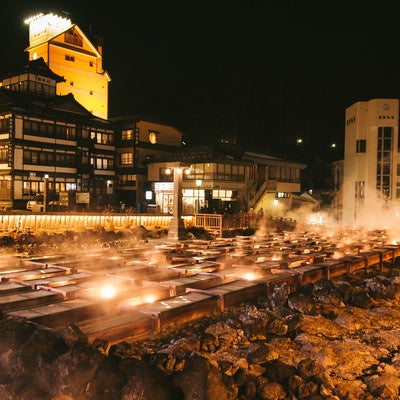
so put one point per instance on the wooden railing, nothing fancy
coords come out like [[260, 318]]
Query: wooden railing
[[212, 223]]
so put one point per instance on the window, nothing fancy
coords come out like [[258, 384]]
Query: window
[[72, 36], [126, 158], [384, 162], [103, 162], [127, 179], [361, 146], [153, 137], [127, 134], [49, 158], [4, 124], [3, 153], [282, 195], [30, 188], [49, 130]]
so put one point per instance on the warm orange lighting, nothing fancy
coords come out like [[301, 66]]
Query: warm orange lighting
[[150, 298], [250, 276], [108, 292]]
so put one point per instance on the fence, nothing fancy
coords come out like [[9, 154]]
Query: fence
[[66, 221], [69, 221], [210, 222], [213, 223]]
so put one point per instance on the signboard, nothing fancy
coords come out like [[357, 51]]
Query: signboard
[[82, 197]]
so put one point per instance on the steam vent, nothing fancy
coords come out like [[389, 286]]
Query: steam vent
[[279, 315]]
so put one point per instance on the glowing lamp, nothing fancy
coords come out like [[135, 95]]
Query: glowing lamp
[[107, 292]]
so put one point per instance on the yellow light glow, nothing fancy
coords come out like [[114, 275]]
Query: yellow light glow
[[250, 276], [150, 299], [108, 292]]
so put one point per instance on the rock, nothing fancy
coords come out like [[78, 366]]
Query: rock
[[302, 301], [362, 299], [147, 383], [201, 380], [260, 353], [271, 391], [72, 335]]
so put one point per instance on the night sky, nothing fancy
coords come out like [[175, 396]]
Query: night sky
[[248, 71]]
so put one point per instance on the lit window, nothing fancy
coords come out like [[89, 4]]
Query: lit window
[[127, 134], [126, 158], [282, 195], [153, 137]]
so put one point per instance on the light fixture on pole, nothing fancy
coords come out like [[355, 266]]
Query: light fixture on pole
[[198, 184], [46, 177]]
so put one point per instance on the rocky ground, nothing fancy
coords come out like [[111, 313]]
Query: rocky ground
[[328, 340]]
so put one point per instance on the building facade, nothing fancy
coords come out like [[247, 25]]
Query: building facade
[[217, 180], [138, 141], [51, 146], [275, 182], [58, 144], [68, 52], [371, 167]]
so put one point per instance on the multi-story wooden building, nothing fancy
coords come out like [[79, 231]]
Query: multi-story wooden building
[[51, 145], [138, 141], [225, 181]]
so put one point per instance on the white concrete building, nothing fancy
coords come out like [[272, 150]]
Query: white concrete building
[[371, 170]]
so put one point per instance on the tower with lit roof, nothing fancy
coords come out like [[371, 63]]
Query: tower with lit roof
[[69, 52]]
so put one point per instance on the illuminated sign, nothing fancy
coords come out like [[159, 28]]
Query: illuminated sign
[[82, 198], [164, 186], [149, 195], [44, 26]]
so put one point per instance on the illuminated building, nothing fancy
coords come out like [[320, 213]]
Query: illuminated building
[[371, 167], [69, 53], [140, 140], [50, 144], [275, 182], [222, 182], [56, 139]]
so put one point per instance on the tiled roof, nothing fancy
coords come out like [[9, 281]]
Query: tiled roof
[[38, 67]]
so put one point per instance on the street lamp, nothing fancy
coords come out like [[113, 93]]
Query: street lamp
[[46, 177], [198, 184]]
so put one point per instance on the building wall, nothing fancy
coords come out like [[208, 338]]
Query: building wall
[[166, 135], [79, 63], [362, 189]]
